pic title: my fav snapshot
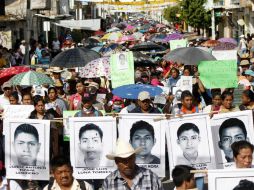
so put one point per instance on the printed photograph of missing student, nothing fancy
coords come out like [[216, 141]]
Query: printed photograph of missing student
[[142, 135], [190, 142], [90, 144], [228, 128], [122, 61], [26, 146]]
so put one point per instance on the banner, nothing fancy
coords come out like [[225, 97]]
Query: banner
[[122, 69], [229, 127], [190, 142], [218, 74], [174, 44], [91, 139], [27, 149], [5, 39], [231, 179], [66, 130], [142, 131], [225, 54]]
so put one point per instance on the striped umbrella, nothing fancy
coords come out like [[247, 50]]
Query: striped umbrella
[[31, 78]]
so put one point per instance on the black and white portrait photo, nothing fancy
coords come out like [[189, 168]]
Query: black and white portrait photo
[[190, 142], [90, 140], [142, 131], [228, 128], [28, 147], [237, 179], [122, 61]]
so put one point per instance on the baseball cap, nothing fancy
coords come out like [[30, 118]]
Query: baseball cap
[[6, 85], [144, 95], [249, 72]]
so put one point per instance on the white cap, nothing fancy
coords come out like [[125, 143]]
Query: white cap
[[144, 95]]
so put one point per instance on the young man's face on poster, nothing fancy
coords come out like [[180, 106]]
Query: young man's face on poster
[[26, 147]]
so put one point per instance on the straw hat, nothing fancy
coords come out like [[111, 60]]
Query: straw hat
[[244, 63], [123, 150], [40, 70], [56, 70]]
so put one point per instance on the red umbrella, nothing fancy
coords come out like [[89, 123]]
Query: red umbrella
[[6, 74], [210, 43], [99, 33]]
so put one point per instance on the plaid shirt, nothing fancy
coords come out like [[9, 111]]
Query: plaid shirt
[[144, 180]]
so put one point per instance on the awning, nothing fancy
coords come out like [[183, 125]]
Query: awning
[[89, 24]]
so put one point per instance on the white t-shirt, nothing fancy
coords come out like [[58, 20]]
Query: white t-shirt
[[3, 101], [56, 45]]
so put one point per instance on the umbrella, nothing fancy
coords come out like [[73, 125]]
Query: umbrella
[[137, 35], [158, 37], [6, 74], [147, 46], [76, 57], [225, 46], [210, 43], [228, 40], [142, 60], [99, 33], [96, 68], [129, 28], [127, 39], [131, 91], [188, 55], [159, 25], [30, 78], [110, 49], [112, 36], [114, 29], [174, 36]]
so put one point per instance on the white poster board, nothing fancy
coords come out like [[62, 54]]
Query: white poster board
[[91, 138], [230, 126], [142, 131], [27, 149], [230, 179], [189, 141], [225, 54], [184, 83]]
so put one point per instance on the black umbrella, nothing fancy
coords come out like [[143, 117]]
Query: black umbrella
[[76, 57], [142, 60], [189, 56], [147, 46]]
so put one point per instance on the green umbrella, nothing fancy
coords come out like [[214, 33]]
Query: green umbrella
[[31, 78]]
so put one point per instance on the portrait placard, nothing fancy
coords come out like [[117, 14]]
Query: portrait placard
[[231, 179], [189, 141], [27, 150], [142, 131], [91, 138], [66, 130], [228, 128]]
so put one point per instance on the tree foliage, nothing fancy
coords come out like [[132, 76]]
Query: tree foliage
[[171, 14]]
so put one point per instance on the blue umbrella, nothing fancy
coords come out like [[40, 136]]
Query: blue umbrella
[[131, 91]]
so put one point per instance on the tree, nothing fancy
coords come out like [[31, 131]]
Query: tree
[[194, 13], [172, 14]]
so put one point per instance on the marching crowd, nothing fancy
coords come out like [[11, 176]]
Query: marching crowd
[[72, 92]]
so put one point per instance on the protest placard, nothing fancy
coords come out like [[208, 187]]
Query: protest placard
[[225, 54], [66, 129], [238, 95], [190, 142], [235, 126], [139, 128], [122, 69], [27, 149], [91, 138], [174, 44], [231, 179], [184, 83], [218, 74]]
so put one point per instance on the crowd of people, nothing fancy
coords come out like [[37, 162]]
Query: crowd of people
[[72, 92]]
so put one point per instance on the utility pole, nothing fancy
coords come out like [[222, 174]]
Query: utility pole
[[29, 20], [213, 23]]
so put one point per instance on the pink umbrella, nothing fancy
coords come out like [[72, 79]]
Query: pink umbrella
[[160, 26], [129, 27], [96, 68], [128, 38]]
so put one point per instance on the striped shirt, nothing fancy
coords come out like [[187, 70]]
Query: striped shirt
[[144, 180]]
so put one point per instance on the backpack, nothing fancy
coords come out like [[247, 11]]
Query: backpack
[[81, 184]]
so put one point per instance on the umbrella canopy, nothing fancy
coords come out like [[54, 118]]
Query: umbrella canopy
[[189, 55], [147, 46], [225, 46], [112, 36], [129, 28], [131, 91], [228, 40], [174, 36], [114, 29], [110, 49], [31, 78], [210, 43], [99, 33], [96, 68], [127, 39], [142, 60], [6, 74], [158, 37], [137, 35], [76, 57]]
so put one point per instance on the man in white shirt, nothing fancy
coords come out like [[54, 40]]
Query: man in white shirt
[[4, 98], [23, 47]]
